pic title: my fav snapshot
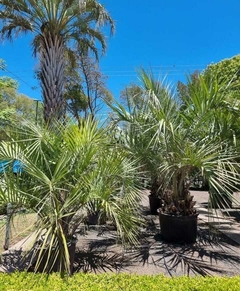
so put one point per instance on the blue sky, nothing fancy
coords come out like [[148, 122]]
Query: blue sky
[[173, 37]]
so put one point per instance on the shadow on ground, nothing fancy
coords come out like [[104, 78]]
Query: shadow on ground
[[212, 254], [98, 251]]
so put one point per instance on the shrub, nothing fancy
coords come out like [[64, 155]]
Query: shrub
[[113, 282]]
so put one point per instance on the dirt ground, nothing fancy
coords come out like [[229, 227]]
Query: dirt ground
[[98, 251], [212, 254], [21, 226]]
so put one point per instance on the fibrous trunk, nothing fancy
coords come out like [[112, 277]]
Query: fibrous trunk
[[52, 77]]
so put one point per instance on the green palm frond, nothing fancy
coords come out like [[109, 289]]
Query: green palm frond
[[176, 142], [68, 170]]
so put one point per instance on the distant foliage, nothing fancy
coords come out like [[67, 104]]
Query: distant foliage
[[15, 105], [227, 71], [85, 88], [132, 95]]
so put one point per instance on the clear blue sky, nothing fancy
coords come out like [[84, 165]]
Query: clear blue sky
[[172, 37]]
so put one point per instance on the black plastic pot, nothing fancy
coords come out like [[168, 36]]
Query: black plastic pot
[[155, 203], [96, 218], [52, 266], [220, 200], [178, 229]]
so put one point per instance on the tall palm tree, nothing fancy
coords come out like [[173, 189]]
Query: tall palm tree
[[59, 28]]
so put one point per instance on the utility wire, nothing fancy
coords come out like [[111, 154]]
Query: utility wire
[[122, 74], [127, 67], [175, 68], [169, 70], [20, 79]]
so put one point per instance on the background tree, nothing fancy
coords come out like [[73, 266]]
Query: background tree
[[2, 64], [77, 101], [86, 89], [94, 84], [14, 105], [227, 71], [132, 95], [59, 29], [75, 98]]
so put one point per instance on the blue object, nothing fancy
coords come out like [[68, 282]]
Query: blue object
[[17, 167], [6, 166]]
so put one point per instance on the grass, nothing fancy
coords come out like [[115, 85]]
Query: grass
[[21, 226]]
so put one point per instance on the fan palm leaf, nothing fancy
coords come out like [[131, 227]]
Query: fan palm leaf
[[66, 172], [175, 142]]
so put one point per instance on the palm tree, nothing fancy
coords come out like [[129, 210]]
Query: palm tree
[[207, 100], [148, 114], [176, 142], [66, 174], [59, 28]]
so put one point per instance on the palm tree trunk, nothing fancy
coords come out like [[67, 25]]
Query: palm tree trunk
[[52, 66]]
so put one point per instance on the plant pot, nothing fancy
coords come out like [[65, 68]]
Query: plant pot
[[52, 266], [155, 203], [220, 200], [96, 218], [178, 229]]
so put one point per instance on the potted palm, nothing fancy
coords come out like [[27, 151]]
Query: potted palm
[[212, 159], [183, 139]]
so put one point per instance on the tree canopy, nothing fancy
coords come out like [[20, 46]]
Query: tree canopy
[[14, 105], [227, 70]]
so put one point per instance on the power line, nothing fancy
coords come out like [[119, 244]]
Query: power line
[[168, 70], [156, 67], [20, 79], [135, 75], [161, 66], [117, 73], [155, 70]]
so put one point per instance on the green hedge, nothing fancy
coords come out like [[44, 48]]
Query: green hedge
[[122, 282]]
